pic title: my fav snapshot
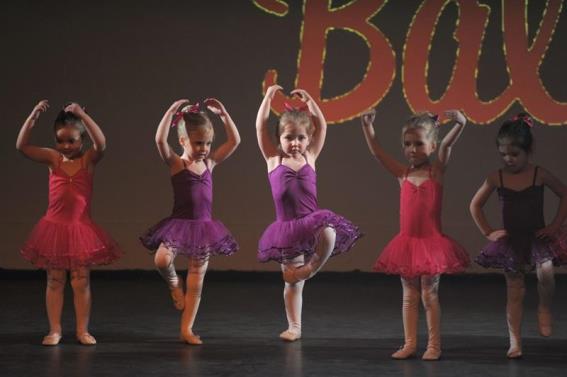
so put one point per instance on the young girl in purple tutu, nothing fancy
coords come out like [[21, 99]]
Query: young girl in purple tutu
[[420, 253], [190, 230], [303, 237], [525, 242], [66, 238]]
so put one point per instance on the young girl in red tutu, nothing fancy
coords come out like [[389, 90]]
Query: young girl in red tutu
[[525, 242], [190, 230], [303, 237], [66, 238], [420, 253]]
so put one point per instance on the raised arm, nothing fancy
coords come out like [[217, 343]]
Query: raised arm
[[94, 154], [38, 154], [396, 168], [561, 191], [162, 133], [232, 135], [477, 212], [319, 123], [449, 140], [265, 142]]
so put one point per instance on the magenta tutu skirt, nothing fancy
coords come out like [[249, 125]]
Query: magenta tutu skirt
[[285, 240], [415, 256], [190, 237], [66, 246]]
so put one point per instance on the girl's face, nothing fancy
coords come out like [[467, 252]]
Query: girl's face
[[417, 147], [68, 141], [515, 158], [198, 145], [294, 139]]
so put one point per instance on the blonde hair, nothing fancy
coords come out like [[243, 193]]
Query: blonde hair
[[297, 117], [425, 121], [194, 122]]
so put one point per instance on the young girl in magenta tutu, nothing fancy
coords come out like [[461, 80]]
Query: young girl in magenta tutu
[[420, 253], [190, 230], [303, 237], [525, 242], [66, 238]]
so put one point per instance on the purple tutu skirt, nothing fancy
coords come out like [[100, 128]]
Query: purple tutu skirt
[[522, 252], [190, 237], [285, 240]]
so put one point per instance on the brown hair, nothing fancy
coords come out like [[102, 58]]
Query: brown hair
[[423, 120], [298, 117]]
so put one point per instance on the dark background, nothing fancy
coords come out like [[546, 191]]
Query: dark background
[[128, 61]]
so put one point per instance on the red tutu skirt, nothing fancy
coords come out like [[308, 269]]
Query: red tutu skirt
[[66, 246], [415, 256]]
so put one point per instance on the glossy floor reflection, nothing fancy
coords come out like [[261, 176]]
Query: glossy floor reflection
[[351, 324]]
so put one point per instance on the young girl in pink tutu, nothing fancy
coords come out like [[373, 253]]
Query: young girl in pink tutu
[[420, 253], [66, 238], [303, 237], [525, 242], [190, 230]]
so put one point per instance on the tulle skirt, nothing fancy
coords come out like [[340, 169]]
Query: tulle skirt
[[190, 237], [285, 240], [60, 245], [416, 256], [522, 252]]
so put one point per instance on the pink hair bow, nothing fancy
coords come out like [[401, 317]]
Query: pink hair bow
[[524, 118], [191, 109], [435, 119], [289, 107]]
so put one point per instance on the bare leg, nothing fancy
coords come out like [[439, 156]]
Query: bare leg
[[293, 299], [56, 280], [545, 288], [410, 311], [430, 299], [163, 260], [195, 278], [325, 246], [516, 291], [80, 281]]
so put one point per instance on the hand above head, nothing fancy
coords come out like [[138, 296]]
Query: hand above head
[[41, 107], [75, 109], [367, 117], [215, 106], [177, 105], [495, 235], [302, 95], [456, 115], [271, 91]]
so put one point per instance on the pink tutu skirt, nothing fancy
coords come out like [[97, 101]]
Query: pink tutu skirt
[[66, 246], [415, 256]]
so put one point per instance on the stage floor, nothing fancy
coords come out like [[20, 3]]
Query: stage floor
[[351, 325]]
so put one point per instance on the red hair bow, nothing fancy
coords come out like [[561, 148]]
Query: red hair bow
[[289, 107], [191, 109], [524, 118]]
